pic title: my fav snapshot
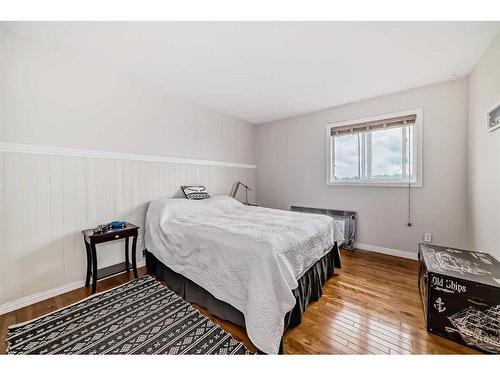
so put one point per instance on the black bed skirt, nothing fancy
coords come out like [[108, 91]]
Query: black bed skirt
[[310, 289]]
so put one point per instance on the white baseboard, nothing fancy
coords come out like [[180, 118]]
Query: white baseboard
[[385, 250], [40, 296], [46, 294]]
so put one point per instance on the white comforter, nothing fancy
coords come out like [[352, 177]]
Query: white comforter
[[249, 257]]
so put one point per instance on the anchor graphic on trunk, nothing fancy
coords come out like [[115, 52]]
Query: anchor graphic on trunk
[[439, 305]]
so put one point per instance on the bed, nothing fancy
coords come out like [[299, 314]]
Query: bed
[[255, 266]]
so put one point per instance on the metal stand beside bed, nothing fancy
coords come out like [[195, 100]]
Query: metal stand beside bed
[[310, 289]]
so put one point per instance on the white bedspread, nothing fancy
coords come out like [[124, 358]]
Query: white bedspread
[[249, 257]]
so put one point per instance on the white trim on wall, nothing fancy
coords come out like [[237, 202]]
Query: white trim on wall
[[64, 151], [387, 251], [46, 294]]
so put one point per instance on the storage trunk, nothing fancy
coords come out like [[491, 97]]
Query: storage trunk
[[460, 292]]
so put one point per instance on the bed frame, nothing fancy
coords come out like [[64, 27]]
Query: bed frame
[[310, 289]]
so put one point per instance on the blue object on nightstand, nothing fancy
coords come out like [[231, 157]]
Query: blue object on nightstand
[[117, 224]]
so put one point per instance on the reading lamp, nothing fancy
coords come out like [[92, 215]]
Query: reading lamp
[[236, 186]]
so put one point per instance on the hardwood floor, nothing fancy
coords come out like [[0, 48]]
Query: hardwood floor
[[371, 306]]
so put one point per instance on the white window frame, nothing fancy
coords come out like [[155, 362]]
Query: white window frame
[[417, 152]]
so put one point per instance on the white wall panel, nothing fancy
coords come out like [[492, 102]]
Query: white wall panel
[[46, 200]]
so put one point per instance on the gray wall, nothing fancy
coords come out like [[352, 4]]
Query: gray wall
[[291, 170], [52, 97], [49, 97], [484, 153]]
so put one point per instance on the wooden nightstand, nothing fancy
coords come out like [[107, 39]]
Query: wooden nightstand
[[92, 239]]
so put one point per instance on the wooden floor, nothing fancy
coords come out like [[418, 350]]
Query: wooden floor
[[371, 306]]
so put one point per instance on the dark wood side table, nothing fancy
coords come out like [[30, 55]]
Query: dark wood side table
[[92, 239]]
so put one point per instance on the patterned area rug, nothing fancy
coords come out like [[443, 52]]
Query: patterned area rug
[[140, 317]]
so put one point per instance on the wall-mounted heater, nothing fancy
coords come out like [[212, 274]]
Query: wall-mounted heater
[[349, 218]]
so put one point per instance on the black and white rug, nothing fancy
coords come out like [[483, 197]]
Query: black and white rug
[[140, 317]]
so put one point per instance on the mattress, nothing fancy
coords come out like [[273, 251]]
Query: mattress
[[249, 257]]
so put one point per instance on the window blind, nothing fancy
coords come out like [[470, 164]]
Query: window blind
[[373, 125]]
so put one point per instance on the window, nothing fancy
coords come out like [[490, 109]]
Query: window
[[377, 151]]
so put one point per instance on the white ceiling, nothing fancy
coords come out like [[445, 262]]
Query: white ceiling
[[263, 71]]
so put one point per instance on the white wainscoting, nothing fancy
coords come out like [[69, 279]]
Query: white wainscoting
[[46, 199]]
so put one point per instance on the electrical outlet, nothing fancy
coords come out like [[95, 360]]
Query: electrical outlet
[[427, 237]]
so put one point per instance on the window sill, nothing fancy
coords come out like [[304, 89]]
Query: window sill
[[376, 184]]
